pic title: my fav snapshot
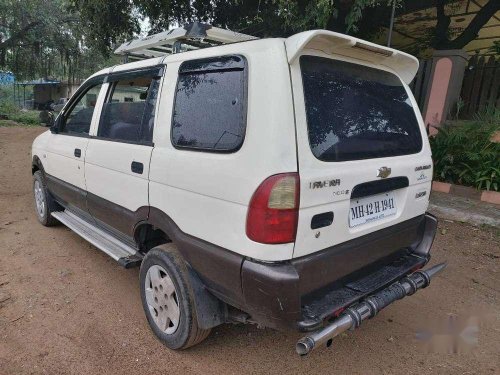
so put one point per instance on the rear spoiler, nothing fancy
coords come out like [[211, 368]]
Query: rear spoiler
[[405, 65]]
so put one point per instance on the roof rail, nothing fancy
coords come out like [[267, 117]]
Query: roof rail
[[192, 36]]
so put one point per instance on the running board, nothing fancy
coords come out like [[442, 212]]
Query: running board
[[124, 254]]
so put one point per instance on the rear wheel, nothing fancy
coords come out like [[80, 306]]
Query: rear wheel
[[168, 300], [44, 203]]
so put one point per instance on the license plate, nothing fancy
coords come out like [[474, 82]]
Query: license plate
[[372, 208]]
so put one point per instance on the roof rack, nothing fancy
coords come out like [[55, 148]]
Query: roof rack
[[192, 36]]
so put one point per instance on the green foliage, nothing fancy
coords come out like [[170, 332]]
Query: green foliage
[[25, 117], [495, 48], [47, 38], [11, 112], [464, 154]]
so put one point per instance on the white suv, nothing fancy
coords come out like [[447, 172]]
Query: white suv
[[281, 182]]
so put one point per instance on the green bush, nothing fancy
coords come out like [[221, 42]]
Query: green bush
[[26, 117], [13, 113], [464, 154]]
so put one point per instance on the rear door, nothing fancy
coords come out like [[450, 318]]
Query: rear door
[[119, 152], [363, 156]]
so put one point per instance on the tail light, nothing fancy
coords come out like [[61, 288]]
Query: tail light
[[274, 210]]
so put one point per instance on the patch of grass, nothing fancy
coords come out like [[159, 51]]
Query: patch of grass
[[26, 117], [8, 123], [10, 111]]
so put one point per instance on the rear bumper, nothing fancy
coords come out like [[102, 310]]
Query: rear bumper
[[300, 294]]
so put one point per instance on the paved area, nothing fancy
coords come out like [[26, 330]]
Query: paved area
[[452, 207], [67, 308]]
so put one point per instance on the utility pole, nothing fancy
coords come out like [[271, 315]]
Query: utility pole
[[389, 36]]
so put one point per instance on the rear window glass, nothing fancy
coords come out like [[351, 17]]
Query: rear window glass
[[355, 112], [210, 105]]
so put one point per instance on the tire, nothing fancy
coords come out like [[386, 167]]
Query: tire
[[173, 278], [44, 203]]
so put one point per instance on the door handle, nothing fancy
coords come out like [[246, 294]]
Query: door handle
[[137, 167], [78, 152]]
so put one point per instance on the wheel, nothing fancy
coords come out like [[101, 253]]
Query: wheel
[[168, 300], [44, 203]]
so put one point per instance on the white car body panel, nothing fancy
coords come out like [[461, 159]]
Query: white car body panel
[[207, 194], [108, 172], [329, 42]]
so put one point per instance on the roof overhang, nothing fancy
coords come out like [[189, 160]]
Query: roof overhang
[[329, 42]]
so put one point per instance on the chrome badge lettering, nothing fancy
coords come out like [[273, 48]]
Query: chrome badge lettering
[[422, 167], [322, 184]]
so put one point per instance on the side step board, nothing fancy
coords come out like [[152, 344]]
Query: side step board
[[124, 254]]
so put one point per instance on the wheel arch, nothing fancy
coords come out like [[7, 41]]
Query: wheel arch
[[210, 309], [36, 165]]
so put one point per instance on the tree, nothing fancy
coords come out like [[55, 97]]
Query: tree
[[276, 17], [441, 33], [45, 39]]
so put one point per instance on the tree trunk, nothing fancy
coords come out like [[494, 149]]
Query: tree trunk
[[441, 40], [336, 22]]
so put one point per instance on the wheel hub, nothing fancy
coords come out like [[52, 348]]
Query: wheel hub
[[39, 199], [162, 300]]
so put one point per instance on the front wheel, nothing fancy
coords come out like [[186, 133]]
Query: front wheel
[[44, 204], [168, 300]]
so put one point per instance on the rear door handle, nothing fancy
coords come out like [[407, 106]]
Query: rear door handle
[[78, 152], [137, 167]]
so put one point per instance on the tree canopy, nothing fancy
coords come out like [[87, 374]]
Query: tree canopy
[[362, 18], [71, 38], [46, 39]]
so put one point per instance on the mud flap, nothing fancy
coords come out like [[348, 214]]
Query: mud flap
[[210, 311]]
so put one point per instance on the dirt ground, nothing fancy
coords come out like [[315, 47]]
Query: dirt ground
[[67, 308]]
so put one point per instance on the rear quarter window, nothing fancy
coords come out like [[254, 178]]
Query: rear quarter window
[[210, 105], [356, 112]]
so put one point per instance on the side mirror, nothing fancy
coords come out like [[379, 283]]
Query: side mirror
[[55, 124]]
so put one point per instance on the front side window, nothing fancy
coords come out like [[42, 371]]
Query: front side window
[[356, 112], [210, 104], [128, 114], [77, 121]]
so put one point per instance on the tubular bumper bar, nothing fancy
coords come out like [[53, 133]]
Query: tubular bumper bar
[[352, 317]]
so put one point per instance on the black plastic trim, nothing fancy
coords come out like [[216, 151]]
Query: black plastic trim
[[66, 194], [322, 220], [153, 72], [211, 64], [379, 186]]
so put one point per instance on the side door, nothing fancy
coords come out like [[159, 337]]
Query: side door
[[119, 152], [66, 150]]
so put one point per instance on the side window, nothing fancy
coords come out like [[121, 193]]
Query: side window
[[78, 119], [210, 104], [128, 114]]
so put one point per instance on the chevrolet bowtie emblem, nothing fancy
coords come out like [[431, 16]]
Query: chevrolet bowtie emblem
[[383, 172]]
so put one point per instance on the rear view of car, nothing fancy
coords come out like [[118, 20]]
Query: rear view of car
[[365, 171]]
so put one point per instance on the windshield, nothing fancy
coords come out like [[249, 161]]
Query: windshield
[[355, 112]]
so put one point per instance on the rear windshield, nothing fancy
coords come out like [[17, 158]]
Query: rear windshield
[[355, 112]]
